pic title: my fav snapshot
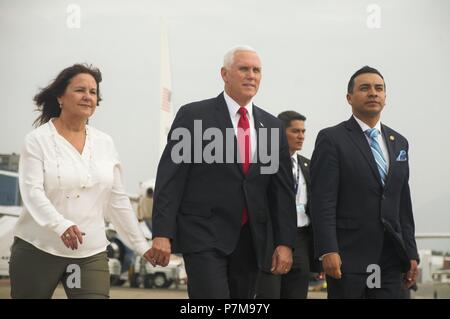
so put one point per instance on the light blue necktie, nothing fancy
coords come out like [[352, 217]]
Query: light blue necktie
[[377, 153]]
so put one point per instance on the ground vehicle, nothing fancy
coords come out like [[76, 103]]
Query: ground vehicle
[[144, 273], [119, 257], [137, 270], [115, 271], [317, 284], [10, 195], [8, 218], [9, 189]]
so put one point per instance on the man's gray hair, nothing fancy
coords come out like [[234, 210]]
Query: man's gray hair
[[228, 59]]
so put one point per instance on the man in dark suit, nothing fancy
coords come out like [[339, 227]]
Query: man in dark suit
[[294, 284], [227, 217], [361, 205]]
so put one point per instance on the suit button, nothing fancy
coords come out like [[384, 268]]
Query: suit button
[[383, 197]]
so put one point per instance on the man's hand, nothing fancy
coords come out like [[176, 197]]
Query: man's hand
[[319, 276], [411, 276], [159, 254], [332, 265], [281, 260]]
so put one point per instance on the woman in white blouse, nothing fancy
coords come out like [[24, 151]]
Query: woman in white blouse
[[70, 180]]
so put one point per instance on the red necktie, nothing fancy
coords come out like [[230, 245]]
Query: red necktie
[[243, 138]]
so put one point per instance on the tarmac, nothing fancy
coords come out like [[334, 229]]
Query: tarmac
[[125, 292], [425, 291]]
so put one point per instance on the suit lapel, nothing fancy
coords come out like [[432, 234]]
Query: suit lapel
[[259, 124], [305, 169], [390, 142], [358, 137], [224, 122]]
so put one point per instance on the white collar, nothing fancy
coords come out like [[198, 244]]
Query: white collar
[[54, 130], [294, 157], [365, 127], [233, 106]]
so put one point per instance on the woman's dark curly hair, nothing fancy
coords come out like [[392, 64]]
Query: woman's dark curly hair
[[47, 99]]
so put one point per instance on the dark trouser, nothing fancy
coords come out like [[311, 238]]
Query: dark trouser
[[35, 274], [212, 274], [294, 284], [354, 286]]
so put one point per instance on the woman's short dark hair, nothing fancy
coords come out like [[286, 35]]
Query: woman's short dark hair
[[47, 99]]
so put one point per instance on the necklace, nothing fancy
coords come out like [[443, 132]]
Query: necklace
[[58, 157]]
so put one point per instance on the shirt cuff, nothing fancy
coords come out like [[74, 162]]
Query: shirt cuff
[[321, 257], [142, 247], [61, 228]]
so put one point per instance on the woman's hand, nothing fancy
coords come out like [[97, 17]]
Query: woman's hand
[[72, 236]]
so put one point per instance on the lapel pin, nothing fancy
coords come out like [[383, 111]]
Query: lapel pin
[[306, 164], [392, 137]]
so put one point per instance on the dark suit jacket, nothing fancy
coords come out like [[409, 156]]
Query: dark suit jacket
[[304, 167], [351, 210], [199, 205]]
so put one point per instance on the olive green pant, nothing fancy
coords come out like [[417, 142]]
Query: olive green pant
[[35, 274]]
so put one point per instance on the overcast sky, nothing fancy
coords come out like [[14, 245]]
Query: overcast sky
[[309, 49]]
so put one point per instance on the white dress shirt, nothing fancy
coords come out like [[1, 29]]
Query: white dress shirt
[[61, 187], [380, 138], [301, 198], [233, 108]]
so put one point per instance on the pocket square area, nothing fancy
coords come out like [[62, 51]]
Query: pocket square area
[[402, 156]]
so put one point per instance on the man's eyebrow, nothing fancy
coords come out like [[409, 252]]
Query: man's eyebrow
[[368, 84]]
